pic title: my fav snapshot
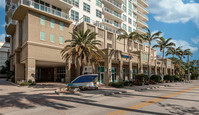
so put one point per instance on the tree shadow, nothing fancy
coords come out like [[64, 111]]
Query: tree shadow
[[179, 109]]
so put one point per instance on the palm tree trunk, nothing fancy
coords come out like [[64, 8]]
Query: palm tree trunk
[[180, 67], [162, 65], [129, 59], [149, 55], [188, 69]]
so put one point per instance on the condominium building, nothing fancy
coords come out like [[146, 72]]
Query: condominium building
[[38, 29]]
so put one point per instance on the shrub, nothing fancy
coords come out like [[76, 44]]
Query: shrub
[[117, 84], [142, 78], [128, 83], [176, 78], [168, 78], [146, 83], [155, 78], [194, 76]]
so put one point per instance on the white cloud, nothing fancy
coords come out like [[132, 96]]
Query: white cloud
[[2, 4], [185, 45], [195, 40], [2, 37], [174, 11]]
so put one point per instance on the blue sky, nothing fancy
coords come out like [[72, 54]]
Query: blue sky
[[177, 19]]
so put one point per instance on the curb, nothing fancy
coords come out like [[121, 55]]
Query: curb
[[11, 83]]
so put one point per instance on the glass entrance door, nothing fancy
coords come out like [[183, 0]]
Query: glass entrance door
[[101, 78], [114, 74]]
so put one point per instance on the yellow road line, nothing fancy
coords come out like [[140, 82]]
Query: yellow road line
[[121, 112]]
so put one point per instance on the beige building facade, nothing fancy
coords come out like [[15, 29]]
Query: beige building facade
[[38, 30]]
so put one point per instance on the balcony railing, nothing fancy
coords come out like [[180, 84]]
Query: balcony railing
[[142, 15], [143, 22], [143, 30], [43, 8], [67, 1], [115, 3], [112, 12], [145, 2], [112, 23], [142, 6]]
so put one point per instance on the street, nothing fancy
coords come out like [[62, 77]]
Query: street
[[180, 99]]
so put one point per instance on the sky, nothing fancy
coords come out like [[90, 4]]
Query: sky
[[176, 19]]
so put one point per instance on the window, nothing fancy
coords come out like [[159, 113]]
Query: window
[[52, 23], [130, 29], [24, 38], [124, 17], [130, 20], [130, 12], [42, 20], [86, 7], [75, 3], [98, 13], [61, 40], [99, 3], [86, 19], [52, 37], [124, 27], [42, 35], [124, 8], [74, 15], [130, 5], [61, 26], [134, 15], [134, 23]]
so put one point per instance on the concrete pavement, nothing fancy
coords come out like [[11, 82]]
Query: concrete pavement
[[42, 101]]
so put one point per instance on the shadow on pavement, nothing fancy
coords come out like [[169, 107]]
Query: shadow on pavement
[[179, 110]]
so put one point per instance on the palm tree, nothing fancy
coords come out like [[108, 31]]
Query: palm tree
[[188, 53], [149, 37], [162, 44], [83, 49], [180, 54], [133, 36], [171, 51]]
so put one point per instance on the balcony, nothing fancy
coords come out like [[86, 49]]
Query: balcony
[[112, 15], [141, 8], [23, 6], [111, 23], [144, 3], [114, 5], [11, 26], [141, 31], [63, 4], [141, 16], [141, 24]]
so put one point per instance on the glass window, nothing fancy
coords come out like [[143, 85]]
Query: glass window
[[98, 13], [74, 15], [52, 23], [52, 37], [99, 3], [124, 17], [75, 3], [124, 8], [130, 29], [130, 5], [61, 40], [130, 20], [61, 26], [42, 20], [42, 35], [134, 23], [134, 15], [124, 27], [86, 7], [86, 19], [130, 12]]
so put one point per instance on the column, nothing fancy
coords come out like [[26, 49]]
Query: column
[[107, 68], [68, 72], [120, 70], [19, 68], [30, 69], [55, 74], [130, 70]]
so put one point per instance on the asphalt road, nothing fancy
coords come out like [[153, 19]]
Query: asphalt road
[[180, 99]]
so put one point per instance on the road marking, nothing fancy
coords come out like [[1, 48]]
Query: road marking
[[121, 112]]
